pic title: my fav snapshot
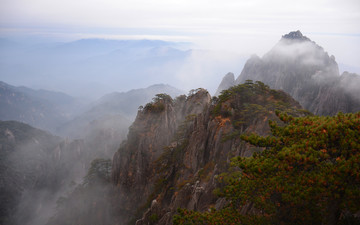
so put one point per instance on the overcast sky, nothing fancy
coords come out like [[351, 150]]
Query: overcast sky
[[243, 26]]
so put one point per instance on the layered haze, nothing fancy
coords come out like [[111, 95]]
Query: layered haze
[[244, 28], [95, 123], [90, 68]]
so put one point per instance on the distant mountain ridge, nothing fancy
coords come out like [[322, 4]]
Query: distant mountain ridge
[[303, 69], [67, 116], [120, 105], [176, 149], [39, 108], [37, 168], [134, 98], [93, 67]]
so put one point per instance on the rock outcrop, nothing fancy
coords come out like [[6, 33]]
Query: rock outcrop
[[171, 161], [154, 128], [295, 35], [227, 82]]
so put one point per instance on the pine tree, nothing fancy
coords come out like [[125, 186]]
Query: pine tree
[[308, 173]]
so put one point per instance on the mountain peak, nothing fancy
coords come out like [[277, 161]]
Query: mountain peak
[[295, 35], [227, 82]]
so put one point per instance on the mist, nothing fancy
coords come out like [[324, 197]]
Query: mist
[[302, 68], [350, 83], [52, 179], [40, 170], [63, 173], [75, 74], [91, 68], [324, 68]]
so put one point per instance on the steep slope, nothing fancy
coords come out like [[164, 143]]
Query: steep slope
[[303, 69], [170, 161], [35, 167], [14, 178], [152, 130]]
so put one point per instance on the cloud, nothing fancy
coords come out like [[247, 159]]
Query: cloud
[[206, 68], [250, 26], [305, 56], [173, 14]]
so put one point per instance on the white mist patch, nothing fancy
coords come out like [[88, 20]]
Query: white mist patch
[[350, 83], [206, 69], [305, 52]]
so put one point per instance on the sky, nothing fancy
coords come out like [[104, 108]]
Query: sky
[[246, 26]]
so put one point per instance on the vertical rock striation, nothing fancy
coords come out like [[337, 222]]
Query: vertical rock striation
[[153, 129], [171, 161]]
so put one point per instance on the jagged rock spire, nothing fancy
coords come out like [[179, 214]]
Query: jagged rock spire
[[227, 82], [296, 35]]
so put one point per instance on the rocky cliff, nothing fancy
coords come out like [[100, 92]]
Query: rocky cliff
[[174, 151], [303, 69], [153, 129]]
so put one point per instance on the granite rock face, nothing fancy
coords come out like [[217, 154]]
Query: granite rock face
[[154, 128], [295, 35], [171, 161]]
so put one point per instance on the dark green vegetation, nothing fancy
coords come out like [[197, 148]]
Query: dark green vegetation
[[178, 155], [308, 173], [158, 103], [249, 101], [202, 145]]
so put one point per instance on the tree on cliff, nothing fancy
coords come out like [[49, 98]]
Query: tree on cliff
[[308, 173]]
